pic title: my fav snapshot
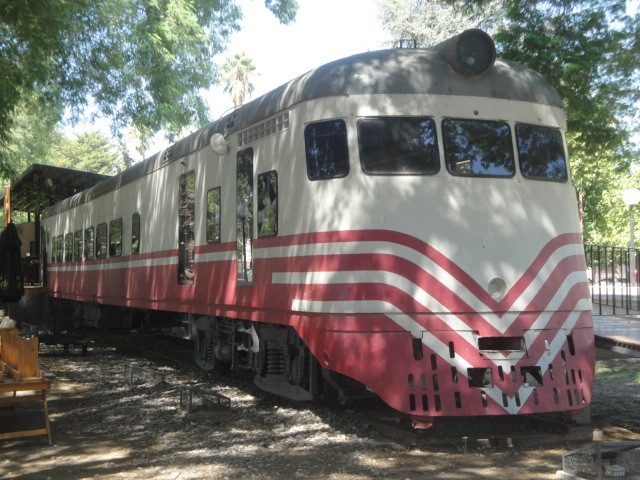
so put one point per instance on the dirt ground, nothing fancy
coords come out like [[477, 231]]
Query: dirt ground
[[105, 428]]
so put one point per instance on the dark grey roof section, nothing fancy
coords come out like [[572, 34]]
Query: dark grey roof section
[[397, 71]]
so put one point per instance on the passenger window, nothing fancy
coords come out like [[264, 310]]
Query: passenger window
[[398, 145], [77, 245], [478, 148], [68, 247], [54, 249], [101, 240], [135, 233], [186, 221], [541, 153], [58, 248], [115, 238], [88, 243], [268, 204], [244, 215], [213, 215], [326, 150]]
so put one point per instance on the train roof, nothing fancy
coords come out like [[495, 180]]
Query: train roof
[[393, 71]]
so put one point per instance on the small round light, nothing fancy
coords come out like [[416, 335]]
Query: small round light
[[497, 288]]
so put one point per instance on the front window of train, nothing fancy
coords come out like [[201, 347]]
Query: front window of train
[[478, 148], [398, 145], [541, 153]]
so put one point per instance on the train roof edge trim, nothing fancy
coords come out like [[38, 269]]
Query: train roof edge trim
[[463, 65]]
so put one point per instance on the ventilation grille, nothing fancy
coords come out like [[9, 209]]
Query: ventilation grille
[[264, 129], [167, 155]]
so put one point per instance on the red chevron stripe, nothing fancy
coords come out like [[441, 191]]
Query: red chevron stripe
[[437, 257]]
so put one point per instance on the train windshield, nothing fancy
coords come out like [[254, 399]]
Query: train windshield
[[541, 153], [398, 145], [478, 148]]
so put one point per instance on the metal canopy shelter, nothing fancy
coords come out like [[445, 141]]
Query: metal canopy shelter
[[41, 186]]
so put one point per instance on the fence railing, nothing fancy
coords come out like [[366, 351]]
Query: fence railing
[[613, 290]]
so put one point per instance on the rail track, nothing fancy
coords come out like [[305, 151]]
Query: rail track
[[452, 433]]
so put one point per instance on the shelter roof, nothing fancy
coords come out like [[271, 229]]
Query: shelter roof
[[41, 186]]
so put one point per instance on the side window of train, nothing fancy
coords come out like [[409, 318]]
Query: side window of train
[[58, 248], [135, 233], [213, 215], [268, 204], [541, 153], [68, 247], [244, 215], [88, 243], [326, 150], [478, 148], [186, 230], [77, 245], [54, 249], [115, 238], [101, 240], [398, 146]]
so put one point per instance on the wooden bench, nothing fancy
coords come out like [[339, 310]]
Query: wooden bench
[[19, 372]]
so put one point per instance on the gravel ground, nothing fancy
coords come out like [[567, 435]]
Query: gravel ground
[[105, 428]]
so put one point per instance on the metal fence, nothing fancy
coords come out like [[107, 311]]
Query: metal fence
[[613, 289]]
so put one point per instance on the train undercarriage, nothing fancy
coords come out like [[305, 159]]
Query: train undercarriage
[[282, 364]]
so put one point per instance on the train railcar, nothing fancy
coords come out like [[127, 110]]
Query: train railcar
[[399, 222]]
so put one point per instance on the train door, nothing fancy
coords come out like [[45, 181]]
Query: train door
[[244, 215], [186, 230]]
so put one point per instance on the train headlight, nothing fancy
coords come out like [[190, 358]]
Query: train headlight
[[497, 288], [471, 53]]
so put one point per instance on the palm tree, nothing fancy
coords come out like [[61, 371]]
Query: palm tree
[[236, 73]]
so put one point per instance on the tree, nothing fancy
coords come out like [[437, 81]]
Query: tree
[[428, 22], [236, 76], [589, 50], [29, 141], [140, 62], [88, 152]]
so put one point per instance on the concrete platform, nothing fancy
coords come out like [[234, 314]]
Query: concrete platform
[[617, 333]]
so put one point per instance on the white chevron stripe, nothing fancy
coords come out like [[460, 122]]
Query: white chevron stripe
[[423, 262], [442, 350], [411, 289]]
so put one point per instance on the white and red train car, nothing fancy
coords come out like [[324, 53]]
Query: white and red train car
[[399, 221]]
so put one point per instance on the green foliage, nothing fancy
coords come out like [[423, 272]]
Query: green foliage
[[33, 133], [428, 22], [89, 152], [582, 48], [236, 77], [142, 63]]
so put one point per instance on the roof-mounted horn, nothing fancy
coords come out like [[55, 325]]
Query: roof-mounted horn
[[471, 53]]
